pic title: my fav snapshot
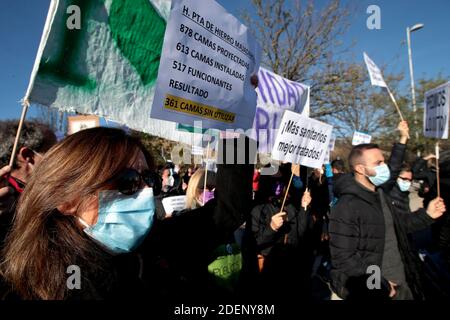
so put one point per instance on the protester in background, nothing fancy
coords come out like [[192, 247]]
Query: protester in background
[[187, 176], [438, 249], [182, 250], [196, 195], [400, 190], [167, 179], [256, 175], [86, 204], [320, 206], [283, 260], [35, 140], [338, 167], [365, 230], [424, 170]]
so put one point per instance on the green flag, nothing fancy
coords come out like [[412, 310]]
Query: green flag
[[101, 57]]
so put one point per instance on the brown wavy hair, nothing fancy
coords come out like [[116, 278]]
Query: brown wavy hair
[[43, 242]]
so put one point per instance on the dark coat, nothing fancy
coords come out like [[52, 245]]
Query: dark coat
[[400, 199], [266, 238], [357, 235], [286, 265]]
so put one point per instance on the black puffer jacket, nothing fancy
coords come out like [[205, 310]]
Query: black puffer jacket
[[357, 236], [400, 199]]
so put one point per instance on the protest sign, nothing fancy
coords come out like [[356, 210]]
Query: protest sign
[[376, 77], [276, 94], [207, 60], [176, 203], [108, 67], [302, 140], [435, 118], [196, 150], [360, 138], [332, 142], [330, 148]]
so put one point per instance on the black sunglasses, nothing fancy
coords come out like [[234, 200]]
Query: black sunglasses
[[130, 181]]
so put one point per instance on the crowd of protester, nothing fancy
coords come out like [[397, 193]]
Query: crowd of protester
[[95, 200]]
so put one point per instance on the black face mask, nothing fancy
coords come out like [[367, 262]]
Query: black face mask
[[276, 201]]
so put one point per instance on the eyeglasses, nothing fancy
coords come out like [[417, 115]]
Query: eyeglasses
[[130, 181], [406, 179]]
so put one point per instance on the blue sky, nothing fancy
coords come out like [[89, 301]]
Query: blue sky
[[21, 23]]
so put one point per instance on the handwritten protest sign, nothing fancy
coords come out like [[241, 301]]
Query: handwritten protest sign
[[207, 60], [376, 77], [435, 118], [302, 140], [176, 203], [360, 138]]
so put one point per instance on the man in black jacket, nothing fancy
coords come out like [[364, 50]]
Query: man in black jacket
[[366, 231]]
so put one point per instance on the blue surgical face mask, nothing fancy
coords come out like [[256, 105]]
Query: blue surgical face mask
[[403, 185], [382, 175], [123, 220]]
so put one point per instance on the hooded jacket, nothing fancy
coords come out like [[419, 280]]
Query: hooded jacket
[[357, 238]]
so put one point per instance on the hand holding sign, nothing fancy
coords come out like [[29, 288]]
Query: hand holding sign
[[404, 131], [306, 199], [277, 221], [436, 208], [295, 169]]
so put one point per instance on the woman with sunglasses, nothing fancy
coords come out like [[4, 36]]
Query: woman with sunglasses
[[89, 201]]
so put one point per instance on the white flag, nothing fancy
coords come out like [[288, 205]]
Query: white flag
[[376, 78]]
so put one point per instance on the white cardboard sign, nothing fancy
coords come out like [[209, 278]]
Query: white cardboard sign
[[204, 74], [360, 138], [376, 77], [302, 140], [176, 203]]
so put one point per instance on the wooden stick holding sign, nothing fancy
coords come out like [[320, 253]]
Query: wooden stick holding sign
[[206, 173], [287, 191], [25, 106], [438, 180], [396, 106], [395, 103], [284, 201], [376, 79]]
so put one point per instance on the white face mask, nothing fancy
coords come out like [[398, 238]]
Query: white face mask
[[403, 185], [382, 174]]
